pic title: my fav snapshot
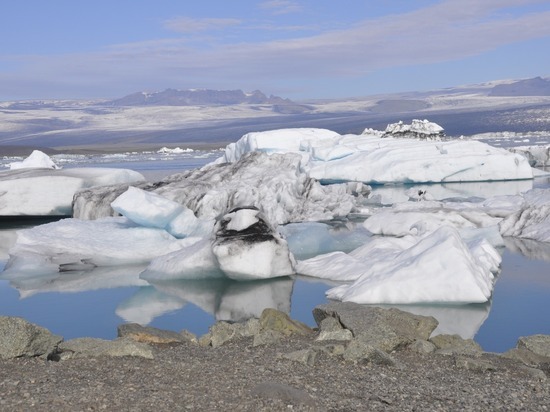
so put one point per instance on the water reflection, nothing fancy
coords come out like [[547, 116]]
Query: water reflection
[[528, 248], [390, 194], [231, 300], [77, 281], [462, 320]]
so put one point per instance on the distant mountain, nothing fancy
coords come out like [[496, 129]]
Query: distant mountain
[[201, 97], [529, 87]]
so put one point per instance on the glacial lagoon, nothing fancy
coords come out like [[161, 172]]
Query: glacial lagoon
[[94, 303]]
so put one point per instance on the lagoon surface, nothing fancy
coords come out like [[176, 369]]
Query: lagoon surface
[[94, 303]]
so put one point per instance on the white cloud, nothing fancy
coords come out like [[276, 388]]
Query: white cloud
[[190, 25], [447, 31]]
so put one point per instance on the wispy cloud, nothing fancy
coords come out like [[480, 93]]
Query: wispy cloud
[[281, 6], [447, 31], [191, 25]]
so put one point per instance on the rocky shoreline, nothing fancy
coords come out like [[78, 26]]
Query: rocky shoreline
[[359, 358]]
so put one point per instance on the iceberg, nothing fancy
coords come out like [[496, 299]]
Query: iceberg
[[36, 160], [532, 220], [274, 184], [247, 248], [376, 159], [74, 244], [49, 192], [437, 268]]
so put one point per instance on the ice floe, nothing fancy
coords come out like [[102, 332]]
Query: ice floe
[[532, 220], [36, 160], [42, 192], [439, 268], [375, 159], [273, 184]]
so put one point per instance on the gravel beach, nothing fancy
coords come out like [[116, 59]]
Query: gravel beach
[[239, 376]]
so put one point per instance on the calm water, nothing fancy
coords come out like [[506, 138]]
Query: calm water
[[94, 303]]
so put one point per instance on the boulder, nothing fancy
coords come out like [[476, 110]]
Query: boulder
[[93, 347], [20, 338], [385, 329], [359, 351], [331, 329], [272, 319], [455, 345], [537, 344], [147, 334]]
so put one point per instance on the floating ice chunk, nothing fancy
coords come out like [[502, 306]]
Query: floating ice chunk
[[195, 260], [72, 244], [391, 160], [368, 158], [344, 267], [420, 129], [36, 160], [146, 208], [255, 252], [186, 224], [274, 184], [401, 223], [279, 141], [42, 192], [309, 239], [440, 268], [532, 221]]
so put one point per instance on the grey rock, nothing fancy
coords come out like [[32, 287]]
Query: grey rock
[[455, 345], [360, 351], [20, 338], [331, 329], [333, 349], [285, 393], [386, 329], [525, 356], [538, 344], [267, 337], [422, 346], [93, 347], [535, 373], [340, 335], [304, 356], [272, 319], [221, 332], [147, 334], [473, 364]]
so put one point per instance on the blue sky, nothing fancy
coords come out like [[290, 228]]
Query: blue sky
[[296, 49]]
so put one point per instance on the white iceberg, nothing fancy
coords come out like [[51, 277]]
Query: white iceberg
[[73, 244], [274, 184], [419, 129], [42, 192], [36, 160], [532, 221], [439, 268], [246, 248], [330, 157]]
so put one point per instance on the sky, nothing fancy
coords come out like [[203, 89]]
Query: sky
[[311, 49]]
